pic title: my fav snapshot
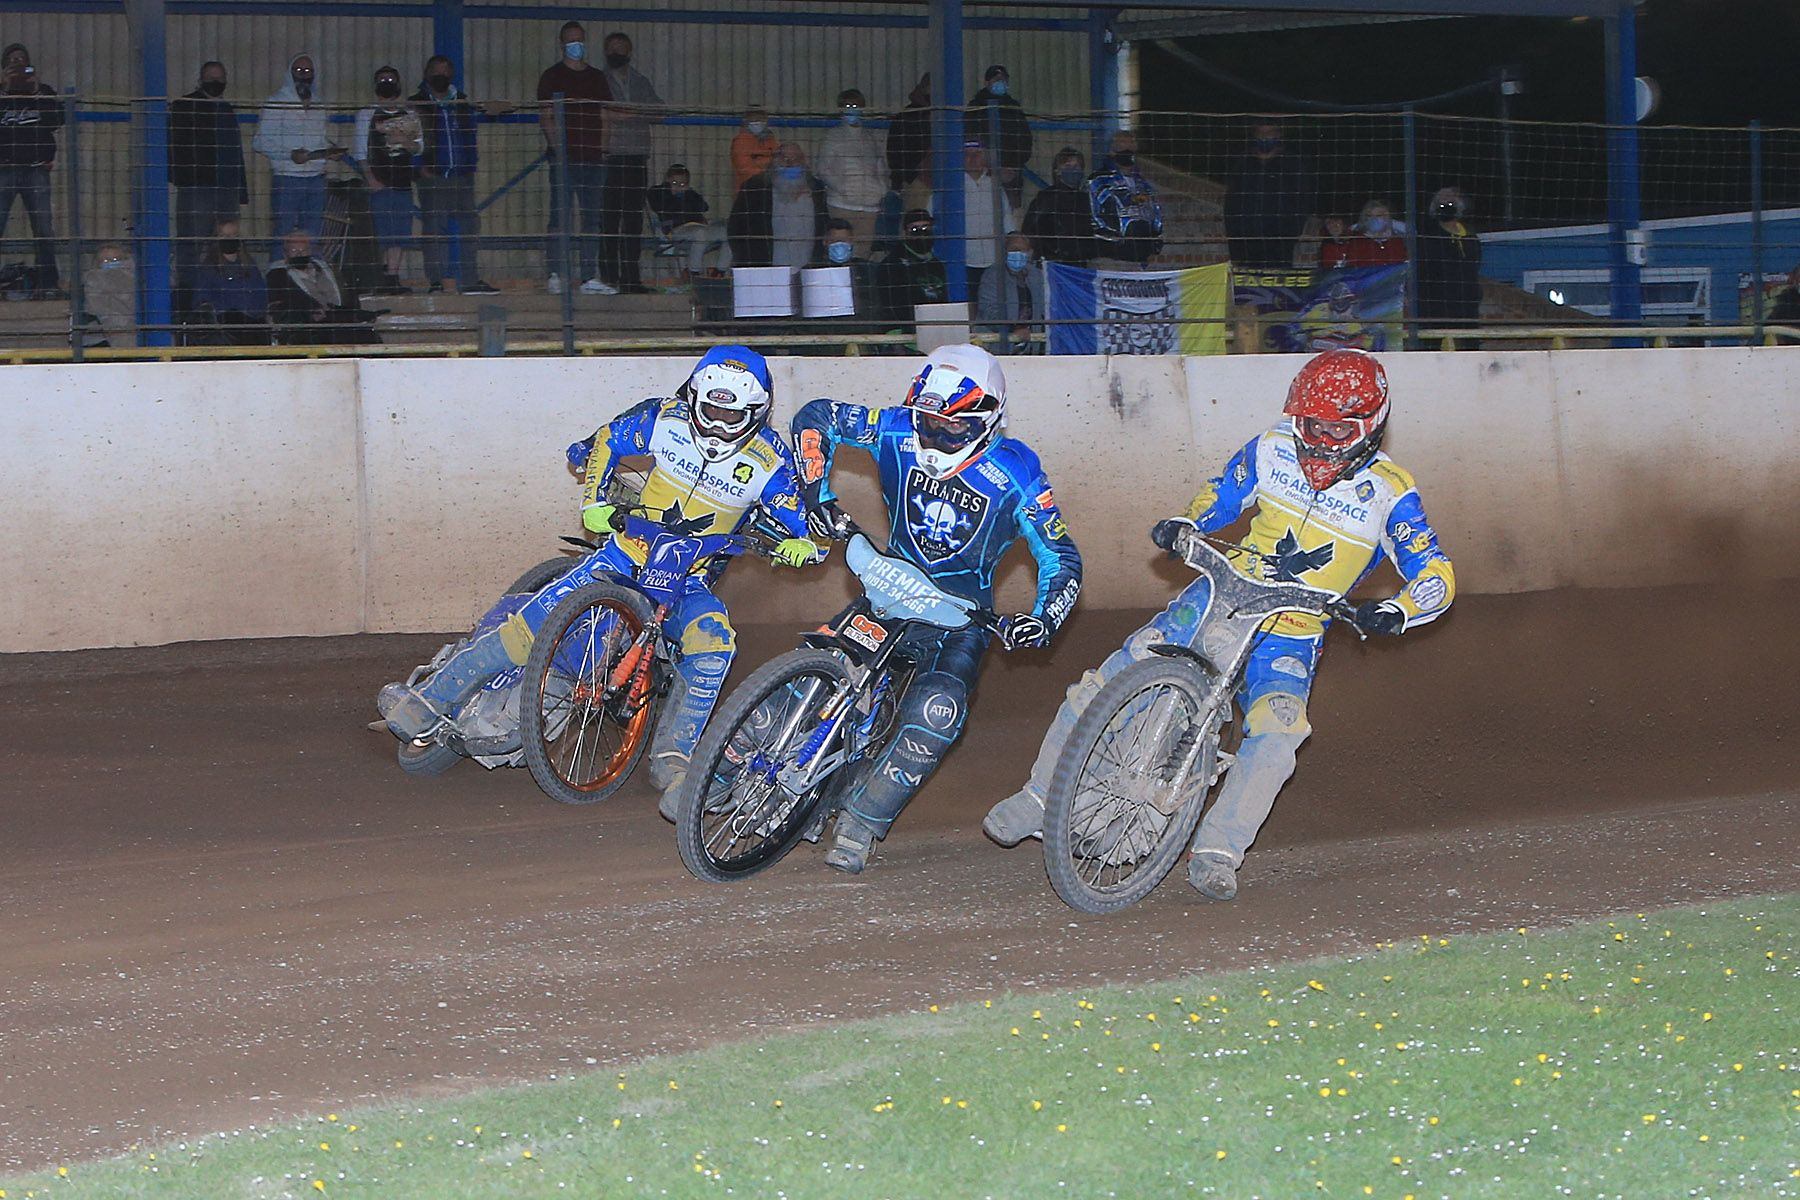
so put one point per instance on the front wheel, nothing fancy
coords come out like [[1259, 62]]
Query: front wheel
[[1130, 784], [738, 810], [582, 730]]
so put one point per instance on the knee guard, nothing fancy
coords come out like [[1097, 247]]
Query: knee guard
[[931, 718]]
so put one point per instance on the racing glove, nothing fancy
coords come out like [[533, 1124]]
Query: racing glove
[[795, 552], [1167, 532], [825, 521], [1380, 616], [1023, 631], [598, 518], [579, 452]]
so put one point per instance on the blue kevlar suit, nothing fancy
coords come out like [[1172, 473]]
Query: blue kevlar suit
[[1327, 539], [957, 529]]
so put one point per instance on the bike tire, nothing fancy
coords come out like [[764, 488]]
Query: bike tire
[[537, 578], [692, 797], [1064, 860], [425, 759], [557, 767]]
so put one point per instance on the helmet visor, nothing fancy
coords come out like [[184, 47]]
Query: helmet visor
[[947, 435]]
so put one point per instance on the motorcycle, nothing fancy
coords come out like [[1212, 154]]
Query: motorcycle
[[793, 742], [1157, 738], [579, 712]]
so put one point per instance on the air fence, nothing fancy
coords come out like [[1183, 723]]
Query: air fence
[[1330, 226]]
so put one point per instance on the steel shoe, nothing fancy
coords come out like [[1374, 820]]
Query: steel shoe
[[851, 844], [407, 712], [1019, 816], [1212, 877]]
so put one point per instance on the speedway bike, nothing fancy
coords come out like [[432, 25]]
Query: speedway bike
[[1158, 737], [795, 741]]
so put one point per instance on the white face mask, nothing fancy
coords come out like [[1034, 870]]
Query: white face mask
[[757, 128]]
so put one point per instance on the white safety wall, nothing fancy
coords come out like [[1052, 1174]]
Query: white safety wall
[[163, 502]]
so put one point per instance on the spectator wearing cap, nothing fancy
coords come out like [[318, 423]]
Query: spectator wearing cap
[[987, 218], [1060, 221], [388, 137], [627, 166], [993, 112], [680, 214], [909, 147], [293, 134], [446, 182], [779, 217], [752, 147], [852, 168], [29, 118], [1268, 203], [577, 168], [1011, 300], [206, 165], [913, 274]]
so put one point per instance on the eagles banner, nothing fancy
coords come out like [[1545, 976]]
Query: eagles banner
[[1137, 312], [1305, 311]]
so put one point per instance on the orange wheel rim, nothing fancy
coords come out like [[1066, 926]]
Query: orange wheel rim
[[587, 705]]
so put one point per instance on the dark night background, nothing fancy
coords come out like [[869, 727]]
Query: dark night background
[[1720, 64]]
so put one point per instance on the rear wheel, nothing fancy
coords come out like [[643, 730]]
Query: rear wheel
[[545, 573], [425, 758], [1129, 785], [581, 735], [735, 814]]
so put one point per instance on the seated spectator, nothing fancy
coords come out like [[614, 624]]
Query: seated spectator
[[680, 214], [1380, 244], [1786, 309], [109, 294], [1011, 300], [230, 300], [1060, 221], [1334, 244], [840, 251], [306, 302], [1449, 262], [1128, 221], [913, 274], [853, 170], [779, 217], [752, 148]]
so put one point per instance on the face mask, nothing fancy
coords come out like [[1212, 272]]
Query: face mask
[[852, 116], [757, 128], [1126, 158], [213, 87], [298, 261], [1018, 260], [790, 174], [839, 252], [678, 189], [618, 62], [1069, 176], [438, 83], [303, 88], [997, 88], [919, 243], [230, 245], [1378, 227], [112, 264], [574, 51], [387, 89], [1265, 145]]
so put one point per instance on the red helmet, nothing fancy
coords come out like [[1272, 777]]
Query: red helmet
[[1339, 402]]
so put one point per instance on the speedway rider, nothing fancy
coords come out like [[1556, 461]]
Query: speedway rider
[[1329, 506], [713, 459], [959, 493]]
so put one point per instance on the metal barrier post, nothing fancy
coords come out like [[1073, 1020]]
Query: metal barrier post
[[946, 26], [149, 27], [72, 171], [1409, 129], [1756, 230], [564, 198], [999, 223]]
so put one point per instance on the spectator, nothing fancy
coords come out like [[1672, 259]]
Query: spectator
[[680, 214], [1127, 218], [29, 118], [306, 302], [109, 293], [995, 106], [840, 251], [388, 136], [853, 171], [913, 274], [1011, 300], [228, 296], [1449, 262], [1060, 221], [1268, 203], [984, 208], [577, 170], [446, 180], [779, 218], [1786, 309], [909, 147], [1334, 245], [206, 165], [293, 135], [627, 167], [752, 148], [1380, 244]]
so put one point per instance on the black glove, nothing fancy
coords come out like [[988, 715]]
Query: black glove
[[1022, 631], [1380, 616], [1166, 532], [826, 521]]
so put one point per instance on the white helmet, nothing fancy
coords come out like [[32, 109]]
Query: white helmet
[[728, 400], [959, 407]]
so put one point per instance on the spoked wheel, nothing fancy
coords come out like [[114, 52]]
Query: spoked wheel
[[535, 579], [735, 812], [1130, 784], [426, 758], [581, 734]]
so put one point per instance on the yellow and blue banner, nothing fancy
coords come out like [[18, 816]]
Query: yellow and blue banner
[[1137, 312]]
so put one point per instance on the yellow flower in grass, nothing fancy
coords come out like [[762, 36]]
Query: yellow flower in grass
[[1218, 1155]]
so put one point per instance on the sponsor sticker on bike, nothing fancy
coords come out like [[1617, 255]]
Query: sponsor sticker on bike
[[864, 632]]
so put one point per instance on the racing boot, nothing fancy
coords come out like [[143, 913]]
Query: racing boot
[[852, 843], [668, 770], [1212, 876], [1019, 816], [413, 712], [406, 711]]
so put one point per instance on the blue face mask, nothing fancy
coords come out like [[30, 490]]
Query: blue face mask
[[997, 88], [840, 252], [575, 50], [1017, 260], [790, 174], [852, 116]]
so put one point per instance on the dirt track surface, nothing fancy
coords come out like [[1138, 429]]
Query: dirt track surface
[[224, 904]]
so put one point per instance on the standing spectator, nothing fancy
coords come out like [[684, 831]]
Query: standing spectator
[[779, 218], [388, 136], [228, 294], [913, 274], [995, 105], [1011, 300], [752, 148], [984, 206], [1127, 218], [1449, 262], [306, 301], [627, 167], [1786, 309], [1268, 204], [909, 147], [29, 118], [577, 176], [1060, 221], [680, 214], [109, 292], [292, 133], [446, 179], [1380, 244], [206, 165], [853, 171]]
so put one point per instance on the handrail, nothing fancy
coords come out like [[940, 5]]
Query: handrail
[[1657, 335]]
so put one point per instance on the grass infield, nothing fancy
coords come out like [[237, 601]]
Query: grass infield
[[1649, 1055]]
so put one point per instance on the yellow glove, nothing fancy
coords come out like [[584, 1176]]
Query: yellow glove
[[795, 552], [597, 518]]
